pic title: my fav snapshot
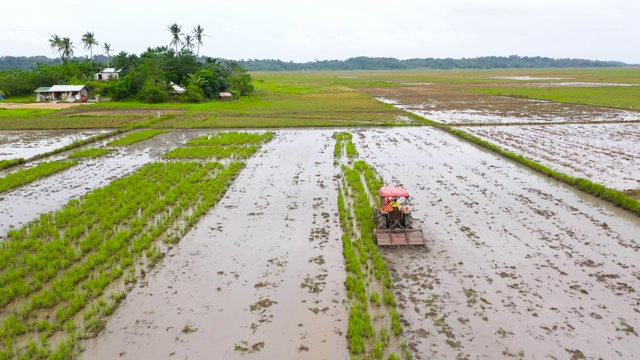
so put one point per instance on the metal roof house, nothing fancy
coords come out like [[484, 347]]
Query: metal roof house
[[69, 93], [107, 74]]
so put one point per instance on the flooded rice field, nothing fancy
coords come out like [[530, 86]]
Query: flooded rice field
[[261, 274], [514, 263], [27, 144], [456, 107], [604, 153], [25, 203]]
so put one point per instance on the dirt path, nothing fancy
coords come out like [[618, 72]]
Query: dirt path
[[516, 265], [260, 276]]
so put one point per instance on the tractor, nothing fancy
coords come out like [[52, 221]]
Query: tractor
[[394, 223]]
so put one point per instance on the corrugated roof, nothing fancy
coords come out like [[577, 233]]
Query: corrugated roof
[[109, 70], [43, 89], [66, 88]]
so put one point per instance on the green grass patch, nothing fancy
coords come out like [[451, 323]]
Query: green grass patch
[[5, 164], [79, 143], [135, 137], [25, 176], [622, 97], [90, 153]]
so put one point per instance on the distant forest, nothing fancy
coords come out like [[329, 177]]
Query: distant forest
[[361, 63]]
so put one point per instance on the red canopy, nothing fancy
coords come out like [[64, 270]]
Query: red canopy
[[393, 191]]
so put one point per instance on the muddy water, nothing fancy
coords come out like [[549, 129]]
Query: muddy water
[[456, 107], [515, 263], [603, 153], [260, 276], [27, 144], [24, 204]]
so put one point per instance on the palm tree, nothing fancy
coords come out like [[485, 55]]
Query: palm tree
[[175, 31], [198, 34], [107, 50], [188, 42], [67, 49], [89, 41], [56, 44]]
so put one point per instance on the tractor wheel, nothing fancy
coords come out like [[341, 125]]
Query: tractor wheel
[[381, 219], [408, 221]]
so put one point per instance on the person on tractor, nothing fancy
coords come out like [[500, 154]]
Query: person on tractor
[[395, 204]]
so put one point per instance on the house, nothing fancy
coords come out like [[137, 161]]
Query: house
[[227, 95], [68, 93], [107, 74]]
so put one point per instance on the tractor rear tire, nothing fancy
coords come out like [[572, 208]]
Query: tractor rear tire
[[408, 221], [381, 219]]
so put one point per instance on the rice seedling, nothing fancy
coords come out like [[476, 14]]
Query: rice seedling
[[5, 164], [90, 153], [25, 176], [78, 143], [135, 137], [367, 270], [62, 262]]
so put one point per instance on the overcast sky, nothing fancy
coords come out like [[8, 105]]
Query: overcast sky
[[306, 30]]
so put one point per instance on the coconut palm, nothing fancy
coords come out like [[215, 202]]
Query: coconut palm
[[198, 34], [56, 44], [188, 43], [67, 49], [175, 31], [107, 51], [89, 41]]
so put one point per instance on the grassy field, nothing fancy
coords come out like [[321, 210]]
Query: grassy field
[[320, 99]]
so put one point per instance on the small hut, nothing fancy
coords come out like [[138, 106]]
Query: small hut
[[107, 74]]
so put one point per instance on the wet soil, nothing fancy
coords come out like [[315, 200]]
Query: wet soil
[[604, 153], [260, 276], [27, 144], [516, 265], [450, 106]]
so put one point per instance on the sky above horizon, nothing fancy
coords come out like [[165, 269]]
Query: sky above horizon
[[301, 31]]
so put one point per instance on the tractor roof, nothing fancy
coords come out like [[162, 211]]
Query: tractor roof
[[393, 191]]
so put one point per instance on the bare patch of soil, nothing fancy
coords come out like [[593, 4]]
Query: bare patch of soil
[[449, 106], [604, 153]]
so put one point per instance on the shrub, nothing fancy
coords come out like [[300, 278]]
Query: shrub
[[193, 94]]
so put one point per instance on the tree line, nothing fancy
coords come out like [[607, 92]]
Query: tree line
[[151, 76], [387, 63]]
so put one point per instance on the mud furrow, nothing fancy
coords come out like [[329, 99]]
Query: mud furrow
[[516, 264], [261, 275]]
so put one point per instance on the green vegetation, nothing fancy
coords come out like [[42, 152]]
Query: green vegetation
[[367, 272], [220, 146], [90, 153], [58, 266], [622, 97], [78, 143], [135, 137], [369, 63], [25, 176], [5, 164]]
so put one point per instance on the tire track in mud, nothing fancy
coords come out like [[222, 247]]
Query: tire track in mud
[[261, 275], [516, 265]]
